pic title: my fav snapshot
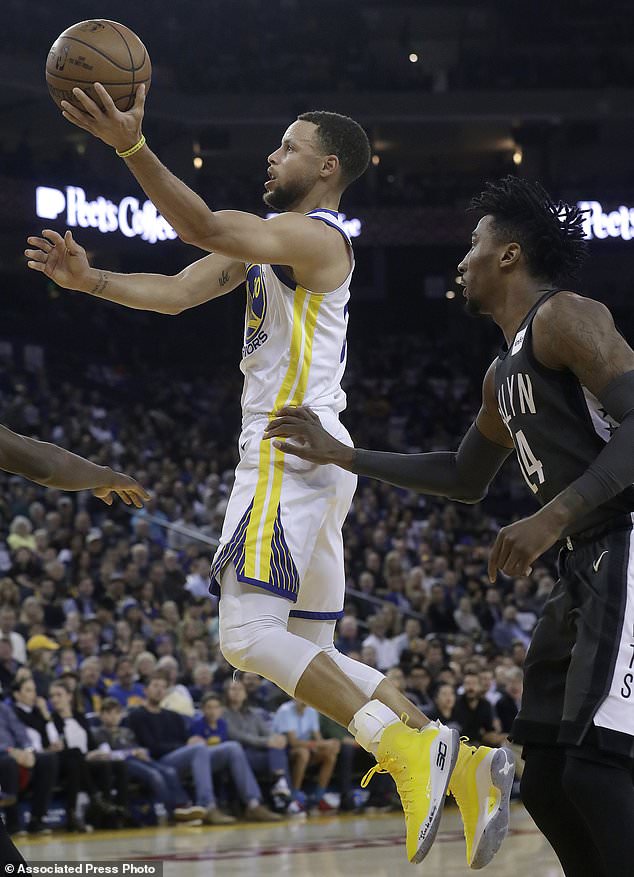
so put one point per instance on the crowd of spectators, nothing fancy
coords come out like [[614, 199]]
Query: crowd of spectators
[[113, 684]]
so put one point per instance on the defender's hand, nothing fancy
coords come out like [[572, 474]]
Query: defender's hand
[[520, 544], [60, 258], [125, 488], [315, 444], [117, 129]]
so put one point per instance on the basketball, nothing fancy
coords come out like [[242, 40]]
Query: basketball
[[97, 51]]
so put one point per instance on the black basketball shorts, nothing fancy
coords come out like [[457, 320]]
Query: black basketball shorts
[[579, 669]]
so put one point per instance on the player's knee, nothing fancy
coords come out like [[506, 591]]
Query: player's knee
[[236, 635], [234, 647], [246, 644]]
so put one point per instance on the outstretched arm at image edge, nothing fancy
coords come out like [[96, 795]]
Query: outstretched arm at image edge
[[52, 466]]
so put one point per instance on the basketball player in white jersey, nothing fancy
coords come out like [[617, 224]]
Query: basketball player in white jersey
[[279, 568]]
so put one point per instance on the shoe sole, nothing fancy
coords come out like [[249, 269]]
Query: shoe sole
[[497, 826], [430, 836]]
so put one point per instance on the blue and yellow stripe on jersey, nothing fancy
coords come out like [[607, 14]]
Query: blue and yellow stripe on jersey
[[258, 547], [283, 579]]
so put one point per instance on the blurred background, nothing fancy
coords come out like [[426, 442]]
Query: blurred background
[[451, 94]]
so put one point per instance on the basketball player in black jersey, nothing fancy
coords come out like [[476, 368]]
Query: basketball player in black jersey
[[561, 393], [52, 466]]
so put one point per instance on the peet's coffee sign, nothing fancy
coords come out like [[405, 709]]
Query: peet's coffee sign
[[129, 216], [599, 224]]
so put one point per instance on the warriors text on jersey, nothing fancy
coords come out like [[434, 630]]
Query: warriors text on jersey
[[294, 349], [558, 427]]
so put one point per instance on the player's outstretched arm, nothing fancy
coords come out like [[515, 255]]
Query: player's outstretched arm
[[463, 475], [289, 239], [66, 263], [53, 466]]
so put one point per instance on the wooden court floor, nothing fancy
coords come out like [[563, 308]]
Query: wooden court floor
[[344, 846]]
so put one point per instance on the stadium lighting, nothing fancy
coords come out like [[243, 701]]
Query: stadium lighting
[[376, 160], [198, 162], [517, 155], [413, 57], [450, 294]]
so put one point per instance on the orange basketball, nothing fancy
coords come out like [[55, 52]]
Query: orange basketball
[[98, 51]]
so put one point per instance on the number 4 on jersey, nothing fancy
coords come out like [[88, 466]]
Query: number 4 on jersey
[[529, 464]]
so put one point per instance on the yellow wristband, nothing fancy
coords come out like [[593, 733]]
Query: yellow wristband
[[128, 152]]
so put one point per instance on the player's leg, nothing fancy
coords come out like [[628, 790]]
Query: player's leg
[[483, 778], [9, 854], [600, 786], [572, 661], [555, 814], [598, 720], [254, 636]]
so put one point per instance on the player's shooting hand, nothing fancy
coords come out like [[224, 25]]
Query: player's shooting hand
[[60, 258], [117, 129], [310, 441], [126, 488], [519, 545]]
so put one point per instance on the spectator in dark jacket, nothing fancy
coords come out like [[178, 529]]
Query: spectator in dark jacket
[[161, 779], [508, 705], [164, 734], [474, 714], [33, 712], [8, 665], [17, 752], [441, 611]]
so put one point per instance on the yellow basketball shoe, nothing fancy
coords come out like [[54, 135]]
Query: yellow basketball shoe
[[481, 784], [421, 763]]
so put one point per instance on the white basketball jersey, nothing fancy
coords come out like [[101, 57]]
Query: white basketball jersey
[[294, 349]]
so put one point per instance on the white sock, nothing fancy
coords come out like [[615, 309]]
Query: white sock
[[369, 722]]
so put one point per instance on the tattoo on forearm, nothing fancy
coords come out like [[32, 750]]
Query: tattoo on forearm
[[223, 279], [101, 284]]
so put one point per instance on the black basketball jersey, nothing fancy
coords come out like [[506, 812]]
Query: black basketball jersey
[[557, 425]]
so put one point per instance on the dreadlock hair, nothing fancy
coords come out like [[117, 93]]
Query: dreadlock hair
[[550, 233], [341, 136]]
